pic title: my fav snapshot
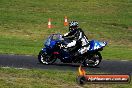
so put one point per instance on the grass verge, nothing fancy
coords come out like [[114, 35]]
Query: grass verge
[[35, 78], [23, 24]]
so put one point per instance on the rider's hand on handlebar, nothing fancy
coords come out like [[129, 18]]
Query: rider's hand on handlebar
[[63, 36], [63, 46]]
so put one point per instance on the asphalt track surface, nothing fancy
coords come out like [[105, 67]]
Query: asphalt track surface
[[31, 62]]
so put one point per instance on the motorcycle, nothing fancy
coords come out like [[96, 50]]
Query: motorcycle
[[88, 56]]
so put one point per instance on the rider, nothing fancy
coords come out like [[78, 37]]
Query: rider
[[79, 38]]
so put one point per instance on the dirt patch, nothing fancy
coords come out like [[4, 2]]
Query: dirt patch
[[130, 28]]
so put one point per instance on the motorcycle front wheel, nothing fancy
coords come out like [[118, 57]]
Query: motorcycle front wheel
[[93, 61], [44, 58]]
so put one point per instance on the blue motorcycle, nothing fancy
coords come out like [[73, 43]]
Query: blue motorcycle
[[52, 51]]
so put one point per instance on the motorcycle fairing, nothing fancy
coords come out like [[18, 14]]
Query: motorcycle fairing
[[95, 45]]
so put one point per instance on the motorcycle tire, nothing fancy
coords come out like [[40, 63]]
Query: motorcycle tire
[[44, 58], [95, 60]]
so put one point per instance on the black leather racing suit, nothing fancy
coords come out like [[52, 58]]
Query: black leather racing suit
[[79, 38]]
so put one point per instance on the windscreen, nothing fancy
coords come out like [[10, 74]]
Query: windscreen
[[53, 37]]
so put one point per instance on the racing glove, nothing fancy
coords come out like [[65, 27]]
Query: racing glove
[[63, 46]]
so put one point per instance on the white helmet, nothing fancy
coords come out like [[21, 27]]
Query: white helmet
[[73, 24]]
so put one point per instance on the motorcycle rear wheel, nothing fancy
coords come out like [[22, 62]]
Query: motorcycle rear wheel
[[93, 61], [44, 58]]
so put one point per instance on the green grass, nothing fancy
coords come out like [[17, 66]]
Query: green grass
[[23, 27], [23, 24], [32, 78]]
